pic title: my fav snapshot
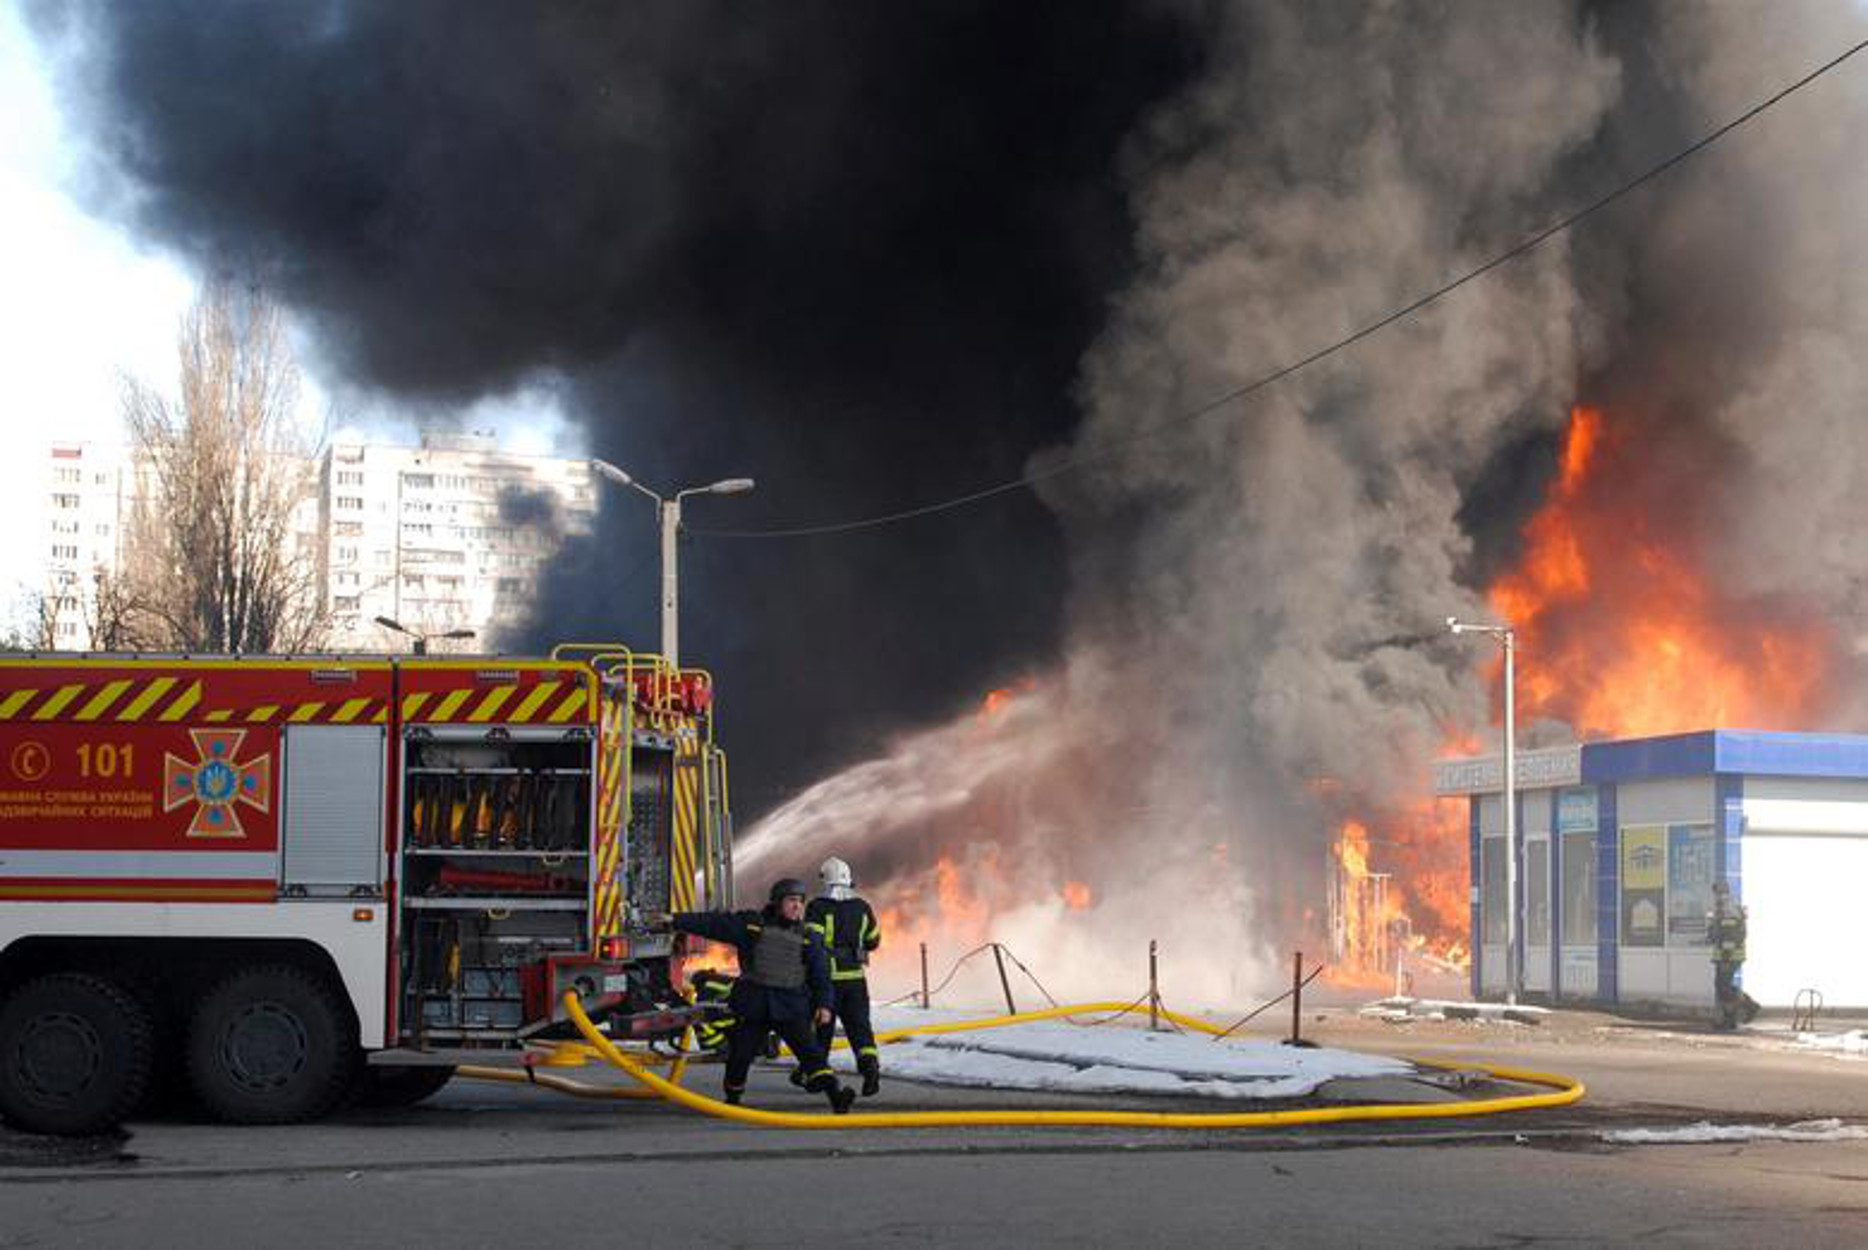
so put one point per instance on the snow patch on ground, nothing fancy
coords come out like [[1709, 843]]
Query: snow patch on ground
[[1113, 1058], [1706, 1131], [1853, 1042], [1399, 1008]]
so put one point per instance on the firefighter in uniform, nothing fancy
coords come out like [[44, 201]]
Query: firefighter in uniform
[[712, 986], [783, 987], [1725, 929], [850, 932]]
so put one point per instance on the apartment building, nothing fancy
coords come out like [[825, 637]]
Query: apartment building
[[85, 504], [447, 536]]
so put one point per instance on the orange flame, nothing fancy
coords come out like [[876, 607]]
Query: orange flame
[[1413, 905], [708, 956], [1077, 895], [1620, 632]]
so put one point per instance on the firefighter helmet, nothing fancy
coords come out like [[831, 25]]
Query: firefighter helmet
[[835, 874]]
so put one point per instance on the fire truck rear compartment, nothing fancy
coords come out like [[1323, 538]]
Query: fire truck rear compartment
[[495, 870]]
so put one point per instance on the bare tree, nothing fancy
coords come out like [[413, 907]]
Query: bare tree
[[117, 617], [35, 618], [210, 560]]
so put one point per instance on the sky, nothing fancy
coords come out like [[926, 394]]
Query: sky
[[80, 302]]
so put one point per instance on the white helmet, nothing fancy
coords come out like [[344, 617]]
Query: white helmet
[[836, 876]]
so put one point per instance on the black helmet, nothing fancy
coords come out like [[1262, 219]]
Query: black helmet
[[786, 886]]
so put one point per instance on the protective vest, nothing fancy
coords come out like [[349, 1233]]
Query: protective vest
[[777, 961]]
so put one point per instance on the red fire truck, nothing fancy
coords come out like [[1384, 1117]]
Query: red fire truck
[[280, 882]]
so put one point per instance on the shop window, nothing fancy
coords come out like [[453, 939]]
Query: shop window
[[1537, 893], [1579, 889], [1689, 883], [1644, 885], [1492, 903]]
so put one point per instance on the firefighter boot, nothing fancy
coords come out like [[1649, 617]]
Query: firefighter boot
[[840, 1096], [872, 1076], [797, 1077], [733, 1096]]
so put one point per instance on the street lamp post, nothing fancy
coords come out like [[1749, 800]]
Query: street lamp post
[[421, 639], [668, 511], [1507, 641]]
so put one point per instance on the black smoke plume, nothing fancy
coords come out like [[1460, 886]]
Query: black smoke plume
[[853, 251]]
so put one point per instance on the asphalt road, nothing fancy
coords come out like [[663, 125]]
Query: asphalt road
[[487, 1165]]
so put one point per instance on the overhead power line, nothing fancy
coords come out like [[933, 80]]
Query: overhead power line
[[1105, 447]]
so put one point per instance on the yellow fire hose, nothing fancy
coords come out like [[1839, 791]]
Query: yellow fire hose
[[1564, 1091], [575, 1054]]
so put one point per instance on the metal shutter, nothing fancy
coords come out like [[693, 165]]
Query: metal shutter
[[333, 830]]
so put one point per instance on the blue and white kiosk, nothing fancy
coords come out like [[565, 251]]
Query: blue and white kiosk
[[1620, 844]]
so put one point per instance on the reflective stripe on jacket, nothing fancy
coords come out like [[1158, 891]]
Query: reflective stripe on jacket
[[850, 932]]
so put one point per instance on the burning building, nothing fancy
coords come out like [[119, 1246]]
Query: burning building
[[1621, 843]]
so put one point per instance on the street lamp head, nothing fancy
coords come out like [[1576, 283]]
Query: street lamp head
[[610, 471], [731, 486], [1457, 626], [398, 626], [458, 633]]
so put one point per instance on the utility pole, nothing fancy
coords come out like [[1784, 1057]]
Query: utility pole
[[668, 511], [1506, 638]]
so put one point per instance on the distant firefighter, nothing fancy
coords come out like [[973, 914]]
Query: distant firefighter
[[1725, 930]]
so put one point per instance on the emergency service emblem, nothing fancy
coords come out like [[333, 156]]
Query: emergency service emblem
[[217, 783]]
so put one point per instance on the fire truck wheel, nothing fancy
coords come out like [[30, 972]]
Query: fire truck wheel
[[401, 1087], [271, 1045], [75, 1054]]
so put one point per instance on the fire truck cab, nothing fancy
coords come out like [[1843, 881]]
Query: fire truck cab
[[281, 882]]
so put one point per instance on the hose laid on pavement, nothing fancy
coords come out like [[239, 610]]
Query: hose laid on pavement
[[1565, 1090], [575, 1054]]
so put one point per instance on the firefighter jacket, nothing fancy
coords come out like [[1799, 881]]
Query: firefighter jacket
[[1726, 931], [784, 971], [850, 932]]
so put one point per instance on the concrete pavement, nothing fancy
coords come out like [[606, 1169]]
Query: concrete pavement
[[486, 1164]]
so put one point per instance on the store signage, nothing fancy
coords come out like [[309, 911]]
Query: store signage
[[1536, 770], [1577, 811]]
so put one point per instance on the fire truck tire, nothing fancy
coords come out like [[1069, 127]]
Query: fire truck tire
[[271, 1045], [75, 1055], [401, 1087]]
